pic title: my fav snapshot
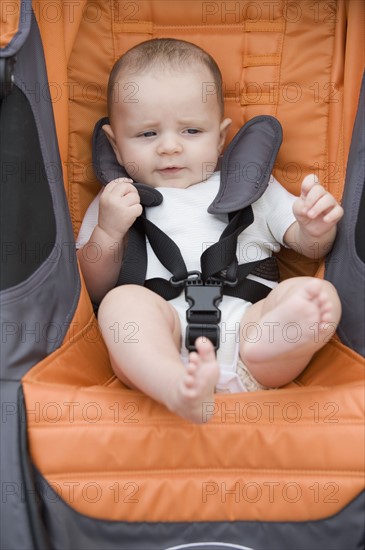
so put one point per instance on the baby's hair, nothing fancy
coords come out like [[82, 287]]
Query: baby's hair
[[164, 53]]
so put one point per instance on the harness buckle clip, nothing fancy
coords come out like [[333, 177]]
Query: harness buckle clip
[[191, 276], [203, 314], [224, 281]]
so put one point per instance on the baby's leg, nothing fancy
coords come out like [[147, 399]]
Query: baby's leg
[[280, 334], [142, 333]]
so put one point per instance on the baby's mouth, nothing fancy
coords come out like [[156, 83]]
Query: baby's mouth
[[170, 170]]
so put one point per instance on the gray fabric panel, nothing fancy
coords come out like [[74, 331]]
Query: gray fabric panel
[[36, 314], [68, 530], [15, 528], [344, 268], [24, 26]]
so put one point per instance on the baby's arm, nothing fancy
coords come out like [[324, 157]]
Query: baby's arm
[[118, 209], [317, 213]]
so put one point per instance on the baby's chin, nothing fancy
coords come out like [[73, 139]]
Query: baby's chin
[[176, 184], [177, 178]]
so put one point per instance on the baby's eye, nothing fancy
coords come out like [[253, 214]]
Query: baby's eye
[[148, 134], [192, 131]]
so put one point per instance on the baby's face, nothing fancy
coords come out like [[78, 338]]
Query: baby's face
[[167, 127]]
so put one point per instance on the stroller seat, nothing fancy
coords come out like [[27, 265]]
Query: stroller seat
[[89, 462]]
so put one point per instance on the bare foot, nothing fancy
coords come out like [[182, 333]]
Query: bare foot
[[298, 324], [196, 387]]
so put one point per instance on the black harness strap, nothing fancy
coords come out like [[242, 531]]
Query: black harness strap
[[222, 254], [166, 250], [135, 260], [246, 289], [135, 256]]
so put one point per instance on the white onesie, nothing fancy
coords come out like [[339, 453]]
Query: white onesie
[[183, 216]]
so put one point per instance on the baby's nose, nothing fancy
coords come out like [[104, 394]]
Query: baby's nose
[[169, 144]]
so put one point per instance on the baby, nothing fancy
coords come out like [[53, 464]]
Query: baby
[[166, 129]]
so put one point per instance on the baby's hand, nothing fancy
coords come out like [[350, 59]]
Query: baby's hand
[[316, 210], [119, 207]]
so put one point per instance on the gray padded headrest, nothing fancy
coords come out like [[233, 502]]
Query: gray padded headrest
[[247, 164], [107, 168]]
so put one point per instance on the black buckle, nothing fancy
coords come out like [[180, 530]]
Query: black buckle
[[212, 332], [181, 282], [203, 314]]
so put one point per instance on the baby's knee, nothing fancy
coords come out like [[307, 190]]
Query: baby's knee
[[122, 297]]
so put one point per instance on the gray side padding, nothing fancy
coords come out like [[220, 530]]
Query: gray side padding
[[344, 267], [21, 35], [68, 529], [15, 523], [36, 313]]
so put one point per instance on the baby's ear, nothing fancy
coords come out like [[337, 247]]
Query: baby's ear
[[107, 129], [223, 130]]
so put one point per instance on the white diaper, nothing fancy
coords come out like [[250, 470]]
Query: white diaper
[[236, 378]]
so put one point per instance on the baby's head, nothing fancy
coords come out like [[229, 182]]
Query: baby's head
[[165, 106]]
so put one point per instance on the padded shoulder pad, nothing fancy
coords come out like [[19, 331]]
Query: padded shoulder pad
[[107, 168], [247, 164]]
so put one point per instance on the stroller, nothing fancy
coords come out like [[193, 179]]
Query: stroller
[[88, 463]]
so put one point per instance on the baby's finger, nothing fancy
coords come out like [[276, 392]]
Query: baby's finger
[[131, 198], [334, 215], [124, 188], [117, 184], [313, 196], [308, 182], [321, 204], [130, 189], [136, 210]]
